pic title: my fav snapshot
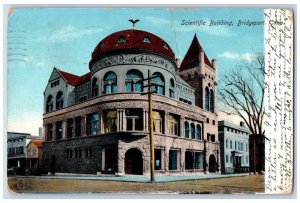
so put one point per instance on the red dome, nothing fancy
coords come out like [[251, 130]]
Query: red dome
[[132, 40]]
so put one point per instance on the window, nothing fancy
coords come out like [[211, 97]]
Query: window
[[147, 40], [189, 160], [95, 87], [198, 132], [55, 83], [134, 81], [157, 159], [213, 138], [121, 39], [78, 126], [171, 90], [70, 128], [157, 122], [110, 83], [226, 144], [110, 121], [231, 159], [226, 158], [173, 159], [49, 132], [213, 122], [158, 83], [199, 160], [207, 120], [206, 99], [111, 159], [173, 124], [134, 119], [49, 104], [235, 148], [166, 46], [246, 147], [59, 130], [92, 124], [186, 129], [193, 132], [59, 100], [101, 44], [230, 144], [242, 146]]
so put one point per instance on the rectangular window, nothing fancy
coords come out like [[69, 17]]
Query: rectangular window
[[198, 160], [110, 121], [49, 132], [92, 124], [226, 158], [134, 118], [230, 144], [78, 126], [157, 159], [157, 122], [70, 128], [226, 144], [173, 159], [173, 124], [235, 145], [111, 159], [246, 147], [59, 130], [231, 159], [189, 160]]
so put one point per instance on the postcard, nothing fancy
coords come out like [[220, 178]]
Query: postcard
[[150, 100]]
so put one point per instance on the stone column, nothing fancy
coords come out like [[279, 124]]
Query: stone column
[[181, 127], [103, 159], [64, 133], [102, 130], [166, 130], [166, 154], [121, 160], [119, 122], [124, 120], [83, 126], [146, 120]]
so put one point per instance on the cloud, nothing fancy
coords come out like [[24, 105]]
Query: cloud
[[238, 56], [156, 20], [69, 32]]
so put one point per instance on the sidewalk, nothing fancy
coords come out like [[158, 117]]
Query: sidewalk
[[140, 178]]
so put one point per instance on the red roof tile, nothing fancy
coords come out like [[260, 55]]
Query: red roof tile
[[74, 80], [191, 58], [134, 40]]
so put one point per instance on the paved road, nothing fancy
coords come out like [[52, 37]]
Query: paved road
[[140, 178]]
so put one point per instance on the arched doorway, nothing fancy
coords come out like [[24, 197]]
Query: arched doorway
[[133, 162], [212, 168]]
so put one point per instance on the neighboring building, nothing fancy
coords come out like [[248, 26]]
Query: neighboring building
[[34, 152], [16, 151], [234, 145], [98, 122]]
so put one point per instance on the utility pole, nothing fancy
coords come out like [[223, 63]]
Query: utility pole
[[151, 127], [150, 118]]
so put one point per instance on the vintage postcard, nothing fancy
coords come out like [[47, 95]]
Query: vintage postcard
[[150, 100]]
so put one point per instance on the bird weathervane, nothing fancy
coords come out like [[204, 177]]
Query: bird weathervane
[[133, 23]]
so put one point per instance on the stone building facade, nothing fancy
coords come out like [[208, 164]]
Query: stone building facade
[[234, 146], [99, 122]]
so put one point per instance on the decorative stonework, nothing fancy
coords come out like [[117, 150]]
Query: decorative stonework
[[136, 59]]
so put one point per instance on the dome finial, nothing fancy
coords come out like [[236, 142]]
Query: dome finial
[[133, 22]]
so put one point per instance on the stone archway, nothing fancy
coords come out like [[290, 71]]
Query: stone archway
[[133, 162], [212, 167]]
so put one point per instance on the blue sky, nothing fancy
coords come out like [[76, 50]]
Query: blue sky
[[40, 39]]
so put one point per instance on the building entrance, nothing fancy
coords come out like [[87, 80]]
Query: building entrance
[[133, 162]]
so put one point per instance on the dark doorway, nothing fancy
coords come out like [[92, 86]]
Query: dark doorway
[[52, 165], [212, 164], [133, 162], [238, 161]]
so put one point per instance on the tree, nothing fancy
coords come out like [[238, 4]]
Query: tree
[[241, 93]]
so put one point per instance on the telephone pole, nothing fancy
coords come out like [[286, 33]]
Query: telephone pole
[[151, 127]]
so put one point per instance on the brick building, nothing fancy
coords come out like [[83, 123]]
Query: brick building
[[98, 122]]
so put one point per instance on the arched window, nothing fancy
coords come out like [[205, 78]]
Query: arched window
[[193, 131], [158, 82], [186, 129], [95, 87], [59, 100], [110, 83], [206, 99], [49, 104], [147, 40], [157, 122], [198, 132], [121, 39], [171, 90], [173, 124], [134, 81], [211, 101]]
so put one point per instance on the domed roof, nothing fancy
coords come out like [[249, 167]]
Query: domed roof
[[127, 40]]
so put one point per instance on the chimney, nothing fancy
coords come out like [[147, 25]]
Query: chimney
[[201, 59], [242, 124], [214, 65], [40, 131], [178, 63]]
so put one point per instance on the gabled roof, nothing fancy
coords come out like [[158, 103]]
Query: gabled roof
[[74, 80], [191, 59], [38, 143]]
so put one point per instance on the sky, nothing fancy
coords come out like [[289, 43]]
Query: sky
[[41, 39]]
